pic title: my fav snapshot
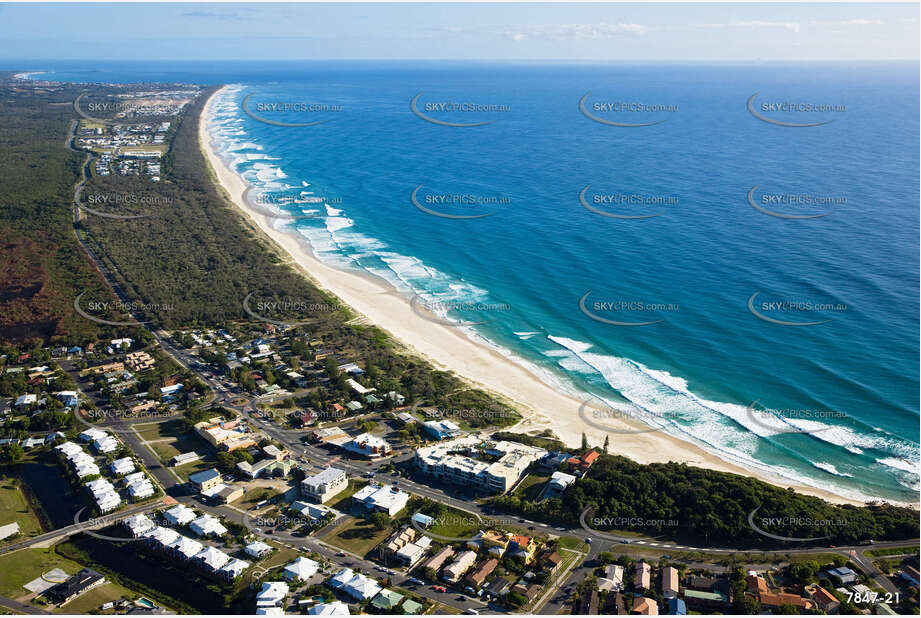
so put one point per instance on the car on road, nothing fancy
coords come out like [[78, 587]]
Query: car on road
[[439, 589], [470, 610], [341, 554], [414, 580], [588, 539], [624, 541]]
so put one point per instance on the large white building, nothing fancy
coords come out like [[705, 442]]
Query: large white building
[[384, 498], [324, 485], [443, 461]]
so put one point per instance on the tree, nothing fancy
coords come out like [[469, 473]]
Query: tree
[[11, 453], [380, 520], [584, 442], [607, 441]]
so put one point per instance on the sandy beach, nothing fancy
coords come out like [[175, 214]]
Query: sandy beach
[[448, 348]]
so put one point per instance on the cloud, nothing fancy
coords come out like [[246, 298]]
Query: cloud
[[848, 22], [211, 15], [791, 26], [575, 31]]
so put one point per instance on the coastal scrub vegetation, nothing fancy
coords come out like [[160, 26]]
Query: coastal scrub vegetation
[[693, 505]]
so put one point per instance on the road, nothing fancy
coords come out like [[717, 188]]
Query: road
[[291, 439], [96, 522]]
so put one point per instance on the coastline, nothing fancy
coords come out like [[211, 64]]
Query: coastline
[[448, 348]]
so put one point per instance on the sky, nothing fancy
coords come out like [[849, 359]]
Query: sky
[[521, 31]]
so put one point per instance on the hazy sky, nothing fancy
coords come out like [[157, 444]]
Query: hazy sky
[[619, 32]]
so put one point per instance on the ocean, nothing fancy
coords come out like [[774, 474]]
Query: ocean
[[719, 272]]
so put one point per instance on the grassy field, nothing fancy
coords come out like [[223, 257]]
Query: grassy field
[[357, 536], [571, 542], [342, 501], [23, 566], [91, 600], [158, 431], [531, 486], [15, 508], [893, 551], [206, 463]]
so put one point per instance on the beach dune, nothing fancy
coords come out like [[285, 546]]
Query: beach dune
[[450, 349]]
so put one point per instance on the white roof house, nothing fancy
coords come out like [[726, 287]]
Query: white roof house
[[134, 477], [257, 549], [212, 558], [561, 480], [272, 594], [125, 465], [301, 569], [91, 434], [336, 608], [69, 448], [361, 587], [138, 524], [108, 502], [234, 568], [164, 537], [179, 515], [270, 611], [206, 525], [106, 444], [141, 489], [25, 400], [340, 579], [86, 469], [186, 547]]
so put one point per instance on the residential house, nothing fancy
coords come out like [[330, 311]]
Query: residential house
[[454, 571], [644, 606], [477, 578], [642, 576], [669, 582]]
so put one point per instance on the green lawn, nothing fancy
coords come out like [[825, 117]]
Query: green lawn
[[15, 508], [156, 431], [357, 536], [342, 501], [571, 542], [93, 599], [531, 486], [205, 463], [893, 551], [21, 567]]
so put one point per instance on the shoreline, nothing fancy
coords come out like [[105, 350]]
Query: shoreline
[[448, 348]]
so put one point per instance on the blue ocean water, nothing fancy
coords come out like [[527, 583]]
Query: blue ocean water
[[847, 386]]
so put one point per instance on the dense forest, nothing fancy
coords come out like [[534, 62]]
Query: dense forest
[[693, 505], [44, 268]]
